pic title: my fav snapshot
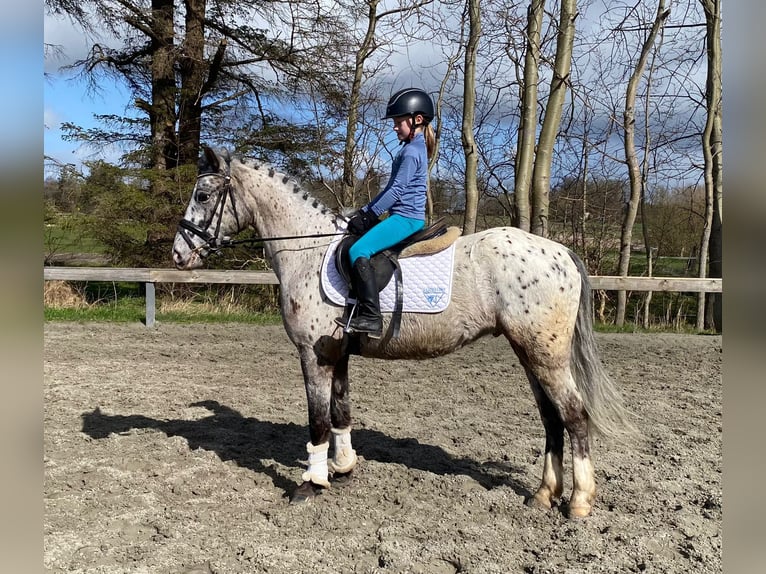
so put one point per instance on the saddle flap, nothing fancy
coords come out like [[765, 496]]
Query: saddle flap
[[383, 264]]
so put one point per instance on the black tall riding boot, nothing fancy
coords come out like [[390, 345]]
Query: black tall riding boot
[[367, 318]]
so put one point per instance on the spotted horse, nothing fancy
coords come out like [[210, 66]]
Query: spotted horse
[[531, 290]]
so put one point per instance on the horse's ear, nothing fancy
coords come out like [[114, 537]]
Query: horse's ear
[[208, 162]]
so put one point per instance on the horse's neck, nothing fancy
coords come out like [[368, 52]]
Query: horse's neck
[[281, 208]]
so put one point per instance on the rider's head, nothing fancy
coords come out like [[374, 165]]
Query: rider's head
[[410, 102], [417, 106]]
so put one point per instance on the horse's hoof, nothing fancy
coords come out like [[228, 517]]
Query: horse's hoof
[[538, 503], [342, 478], [306, 492], [578, 511]]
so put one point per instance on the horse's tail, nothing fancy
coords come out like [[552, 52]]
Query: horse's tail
[[606, 410]]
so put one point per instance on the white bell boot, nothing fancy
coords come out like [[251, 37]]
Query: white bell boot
[[317, 472], [344, 457]]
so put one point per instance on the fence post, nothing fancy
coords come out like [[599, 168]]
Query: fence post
[[150, 308]]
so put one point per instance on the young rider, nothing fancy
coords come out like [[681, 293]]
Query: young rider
[[404, 198]]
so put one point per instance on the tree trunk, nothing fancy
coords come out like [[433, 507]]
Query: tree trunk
[[162, 112], [469, 105], [583, 215], [541, 175], [711, 243], [193, 68], [644, 178], [451, 61], [631, 159], [525, 152]]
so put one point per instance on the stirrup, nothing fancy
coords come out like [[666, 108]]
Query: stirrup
[[345, 320], [372, 334]]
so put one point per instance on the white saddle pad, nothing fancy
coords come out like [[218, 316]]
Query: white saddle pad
[[427, 281]]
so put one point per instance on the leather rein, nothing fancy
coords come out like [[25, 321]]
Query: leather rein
[[212, 243]]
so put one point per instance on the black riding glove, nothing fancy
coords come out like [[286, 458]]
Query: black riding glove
[[361, 222]]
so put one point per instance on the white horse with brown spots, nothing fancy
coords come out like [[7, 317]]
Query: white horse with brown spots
[[531, 290]]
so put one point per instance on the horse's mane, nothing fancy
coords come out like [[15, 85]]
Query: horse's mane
[[287, 182]]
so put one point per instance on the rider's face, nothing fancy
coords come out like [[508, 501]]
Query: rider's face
[[403, 126]]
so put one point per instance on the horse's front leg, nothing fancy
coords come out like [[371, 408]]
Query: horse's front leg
[[344, 456], [317, 378]]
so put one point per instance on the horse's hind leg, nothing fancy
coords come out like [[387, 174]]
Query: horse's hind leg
[[552, 484], [344, 456], [561, 407], [563, 396]]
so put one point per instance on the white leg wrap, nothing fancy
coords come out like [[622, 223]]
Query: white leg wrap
[[317, 472], [344, 457]]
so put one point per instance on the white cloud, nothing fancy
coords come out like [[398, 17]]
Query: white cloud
[[51, 119], [64, 43]]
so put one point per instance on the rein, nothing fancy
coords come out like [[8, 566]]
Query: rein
[[232, 242], [211, 241]]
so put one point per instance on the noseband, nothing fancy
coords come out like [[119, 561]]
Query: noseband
[[188, 228]]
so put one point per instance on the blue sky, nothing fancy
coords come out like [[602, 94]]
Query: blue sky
[[67, 99]]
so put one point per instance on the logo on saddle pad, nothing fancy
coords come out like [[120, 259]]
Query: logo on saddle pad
[[433, 295]]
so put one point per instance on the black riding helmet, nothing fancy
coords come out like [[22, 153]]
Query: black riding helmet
[[409, 102]]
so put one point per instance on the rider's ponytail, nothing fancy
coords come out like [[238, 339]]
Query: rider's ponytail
[[430, 137]]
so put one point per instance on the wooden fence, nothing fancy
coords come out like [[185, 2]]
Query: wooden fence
[[150, 276]]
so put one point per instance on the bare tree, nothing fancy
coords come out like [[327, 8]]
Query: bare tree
[[368, 45], [469, 102], [631, 157], [533, 162], [541, 175], [713, 154], [366, 48], [648, 248], [452, 55], [525, 154]]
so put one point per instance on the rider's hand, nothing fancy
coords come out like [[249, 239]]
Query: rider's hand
[[361, 222]]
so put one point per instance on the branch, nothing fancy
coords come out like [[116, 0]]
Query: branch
[[668, 27], [141, 27], [215, 67], [404, 9], [233, 96]]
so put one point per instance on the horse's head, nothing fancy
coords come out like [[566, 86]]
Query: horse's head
[[211, 214]]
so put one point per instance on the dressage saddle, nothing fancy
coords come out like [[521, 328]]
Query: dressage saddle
[[432, 239]]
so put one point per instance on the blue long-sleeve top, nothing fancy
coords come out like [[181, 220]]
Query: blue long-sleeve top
[[405, 192]]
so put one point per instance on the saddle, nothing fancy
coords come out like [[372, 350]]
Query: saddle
[[434, 238]]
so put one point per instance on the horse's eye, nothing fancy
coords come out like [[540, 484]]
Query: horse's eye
[[202, 196]]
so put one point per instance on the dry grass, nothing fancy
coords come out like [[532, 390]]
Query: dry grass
[[187, 306], [61, 295]]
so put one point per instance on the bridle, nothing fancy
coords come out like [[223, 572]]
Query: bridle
[[212, 244], [188, 228]]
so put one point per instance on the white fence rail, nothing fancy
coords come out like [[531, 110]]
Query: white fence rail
[[151, 276]]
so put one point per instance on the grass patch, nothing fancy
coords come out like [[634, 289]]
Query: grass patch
[[116, 313], [125, 302], [220, 317], [627, 327], [133, 309], [67, 234]]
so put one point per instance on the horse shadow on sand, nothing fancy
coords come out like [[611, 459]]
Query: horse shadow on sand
[[249, 441]]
